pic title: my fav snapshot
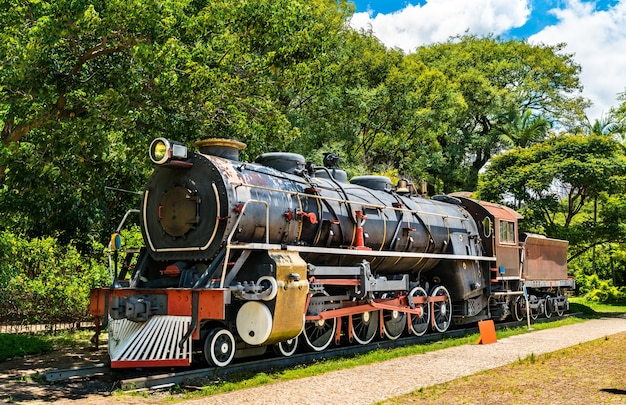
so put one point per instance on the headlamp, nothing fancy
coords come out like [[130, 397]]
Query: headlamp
[[163, 151]]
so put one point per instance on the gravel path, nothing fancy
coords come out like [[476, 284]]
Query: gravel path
[[364, 385]]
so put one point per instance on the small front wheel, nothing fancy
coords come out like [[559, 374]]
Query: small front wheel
[[219, 347], [286, 348]]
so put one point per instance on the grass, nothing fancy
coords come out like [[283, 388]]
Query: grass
[[12, 345], [23, 344], [588, 373], [595, 309]]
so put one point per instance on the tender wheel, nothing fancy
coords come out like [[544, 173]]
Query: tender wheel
[[519, 308], [394, 322], [533, 300], [548, 306], [560, 310], [219, 347], [442, 310], [318, 335], [419, 324], [286, 348], [364, 327]]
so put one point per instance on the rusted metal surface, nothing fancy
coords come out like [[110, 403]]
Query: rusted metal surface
[[508, 256], [545, 258], [501, 212]]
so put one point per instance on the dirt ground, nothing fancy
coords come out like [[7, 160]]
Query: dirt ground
[[22, 380]]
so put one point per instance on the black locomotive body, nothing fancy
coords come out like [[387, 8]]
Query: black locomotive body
[[240, 257]]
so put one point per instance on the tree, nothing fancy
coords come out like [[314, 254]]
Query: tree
[[499, 81], [380, 111], [551, 182], [615, 122], [85, 86], [522, 129]]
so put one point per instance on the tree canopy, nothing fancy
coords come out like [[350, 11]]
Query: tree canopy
[[500, 81], [552, 181], [85, 86]]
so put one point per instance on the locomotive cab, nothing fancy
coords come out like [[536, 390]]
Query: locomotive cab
[[498, 228]]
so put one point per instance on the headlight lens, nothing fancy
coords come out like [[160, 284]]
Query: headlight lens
[[159, 150], [163, 151], [179, 151]]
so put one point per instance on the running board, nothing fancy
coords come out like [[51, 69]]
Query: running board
[[154, 343]]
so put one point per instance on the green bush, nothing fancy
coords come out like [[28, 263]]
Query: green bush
[[595, 289], [43, 282], [21, 345]]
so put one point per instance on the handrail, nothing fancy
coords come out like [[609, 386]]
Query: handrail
[[117, 230], [234, 229], [131, 211]]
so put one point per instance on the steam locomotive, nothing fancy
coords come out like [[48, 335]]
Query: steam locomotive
[[281, 254]]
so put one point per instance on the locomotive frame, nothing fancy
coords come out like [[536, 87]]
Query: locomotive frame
[[280, 254]]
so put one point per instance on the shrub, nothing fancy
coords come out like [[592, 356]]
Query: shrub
[[595, 289], [42, 282], [20, 345]]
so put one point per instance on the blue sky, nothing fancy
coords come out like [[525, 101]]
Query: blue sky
[[594, 31]]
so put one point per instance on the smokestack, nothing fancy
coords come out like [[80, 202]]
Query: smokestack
[[220, 147]]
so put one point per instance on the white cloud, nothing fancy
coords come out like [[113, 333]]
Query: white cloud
[[437, 20], [596, 38], [598, 41]]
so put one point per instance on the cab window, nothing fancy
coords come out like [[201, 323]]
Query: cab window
[[507, 232]]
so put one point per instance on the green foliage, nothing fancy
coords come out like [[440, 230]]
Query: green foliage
[[12, 345], [85, 87], [131, 237], [573, 167], [509, 89], [381, 110], [594, 309], [60, 190], [42, 282], [603, 291], [569, 187]]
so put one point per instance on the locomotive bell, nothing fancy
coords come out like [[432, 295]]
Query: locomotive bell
[[402, 187]]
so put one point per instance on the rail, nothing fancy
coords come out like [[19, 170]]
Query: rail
[[117, 230], [355, 252], [156, 381]]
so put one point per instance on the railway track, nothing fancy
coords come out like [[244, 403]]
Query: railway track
[[160, 380]]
